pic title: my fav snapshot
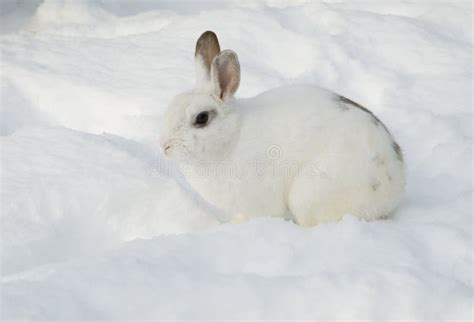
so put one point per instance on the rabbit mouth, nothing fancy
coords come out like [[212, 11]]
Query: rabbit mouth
[[167, 148], [174, 150]]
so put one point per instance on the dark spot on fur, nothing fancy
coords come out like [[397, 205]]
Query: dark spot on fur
[[398, 151], [343, 107], [389, 177], [379, 161], [348, 101], [375, 119], [375, 186]]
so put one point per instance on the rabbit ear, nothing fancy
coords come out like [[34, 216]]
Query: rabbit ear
[[207, 47], [225, 74]]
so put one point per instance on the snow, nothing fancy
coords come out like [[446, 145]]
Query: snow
[[96, 224]]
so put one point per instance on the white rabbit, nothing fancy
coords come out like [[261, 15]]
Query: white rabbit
[[301, 151]]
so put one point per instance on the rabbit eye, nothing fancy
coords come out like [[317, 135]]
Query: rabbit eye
[[201, 119]]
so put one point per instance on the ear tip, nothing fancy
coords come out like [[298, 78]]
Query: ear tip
[[208, 33], [208, 36], [228, 54]]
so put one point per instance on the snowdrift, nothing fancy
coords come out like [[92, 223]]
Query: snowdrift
[[97, 225]]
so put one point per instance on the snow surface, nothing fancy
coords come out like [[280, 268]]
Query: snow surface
[[97, 225]]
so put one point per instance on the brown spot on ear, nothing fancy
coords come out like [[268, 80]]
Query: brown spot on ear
[[398, 151], [207, 47]]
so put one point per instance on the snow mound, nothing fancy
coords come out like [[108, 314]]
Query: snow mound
[[62, 12], [101, 190], [265, 269], [97, 225]]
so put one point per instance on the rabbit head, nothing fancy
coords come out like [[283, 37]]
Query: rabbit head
[[201, 124]]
